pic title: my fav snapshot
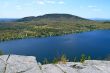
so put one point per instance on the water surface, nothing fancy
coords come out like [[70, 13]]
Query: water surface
[[93, 43]]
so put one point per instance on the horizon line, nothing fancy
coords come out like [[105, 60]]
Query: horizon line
[[50, 13]]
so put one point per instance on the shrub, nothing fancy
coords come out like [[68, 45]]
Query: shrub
[[55, 60], [83, 58], [63, 59]]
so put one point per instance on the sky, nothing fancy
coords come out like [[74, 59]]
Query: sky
[[82, 8]]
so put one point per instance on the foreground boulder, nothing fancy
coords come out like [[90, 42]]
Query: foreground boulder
[[18, 64], [28, 64], [70, 67]]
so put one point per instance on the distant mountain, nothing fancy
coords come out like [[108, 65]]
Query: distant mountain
[[100, 19], [52, 17], [47, 25], [7, 19]]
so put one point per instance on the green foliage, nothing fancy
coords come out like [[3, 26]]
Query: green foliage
[[89, 58], [47, 25], [63, 59], [83, 58], [55, 60], [1, 53]]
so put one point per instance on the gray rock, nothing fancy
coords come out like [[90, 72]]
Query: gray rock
[[19, 64], [3, 63], [92, 66], [28, 64]]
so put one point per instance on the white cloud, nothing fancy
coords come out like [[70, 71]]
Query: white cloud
[[81, 7], [40, 2], [92, 6], [6, 4], [18, 7], [50, 2], [96, 10], [28, 4], [61, 2]]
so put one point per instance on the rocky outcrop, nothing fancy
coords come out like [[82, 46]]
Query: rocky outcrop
[[28, 64], [18, 64]]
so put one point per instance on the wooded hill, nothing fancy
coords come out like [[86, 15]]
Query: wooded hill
[[47, 25]]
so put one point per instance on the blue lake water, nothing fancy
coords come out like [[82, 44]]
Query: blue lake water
[[93, 43]]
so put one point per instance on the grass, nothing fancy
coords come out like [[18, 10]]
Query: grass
[[63, 59]]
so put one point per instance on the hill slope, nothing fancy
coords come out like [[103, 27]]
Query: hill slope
[[52, 17], [7, 19], [47, 25]]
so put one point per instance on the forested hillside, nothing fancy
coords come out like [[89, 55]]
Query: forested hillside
[[47, 25]]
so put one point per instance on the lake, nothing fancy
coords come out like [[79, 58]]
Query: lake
[[93, 43]]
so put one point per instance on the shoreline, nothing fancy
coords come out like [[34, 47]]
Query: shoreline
[[44, 36]]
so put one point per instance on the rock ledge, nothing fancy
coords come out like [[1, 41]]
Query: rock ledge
[[28, 64]]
